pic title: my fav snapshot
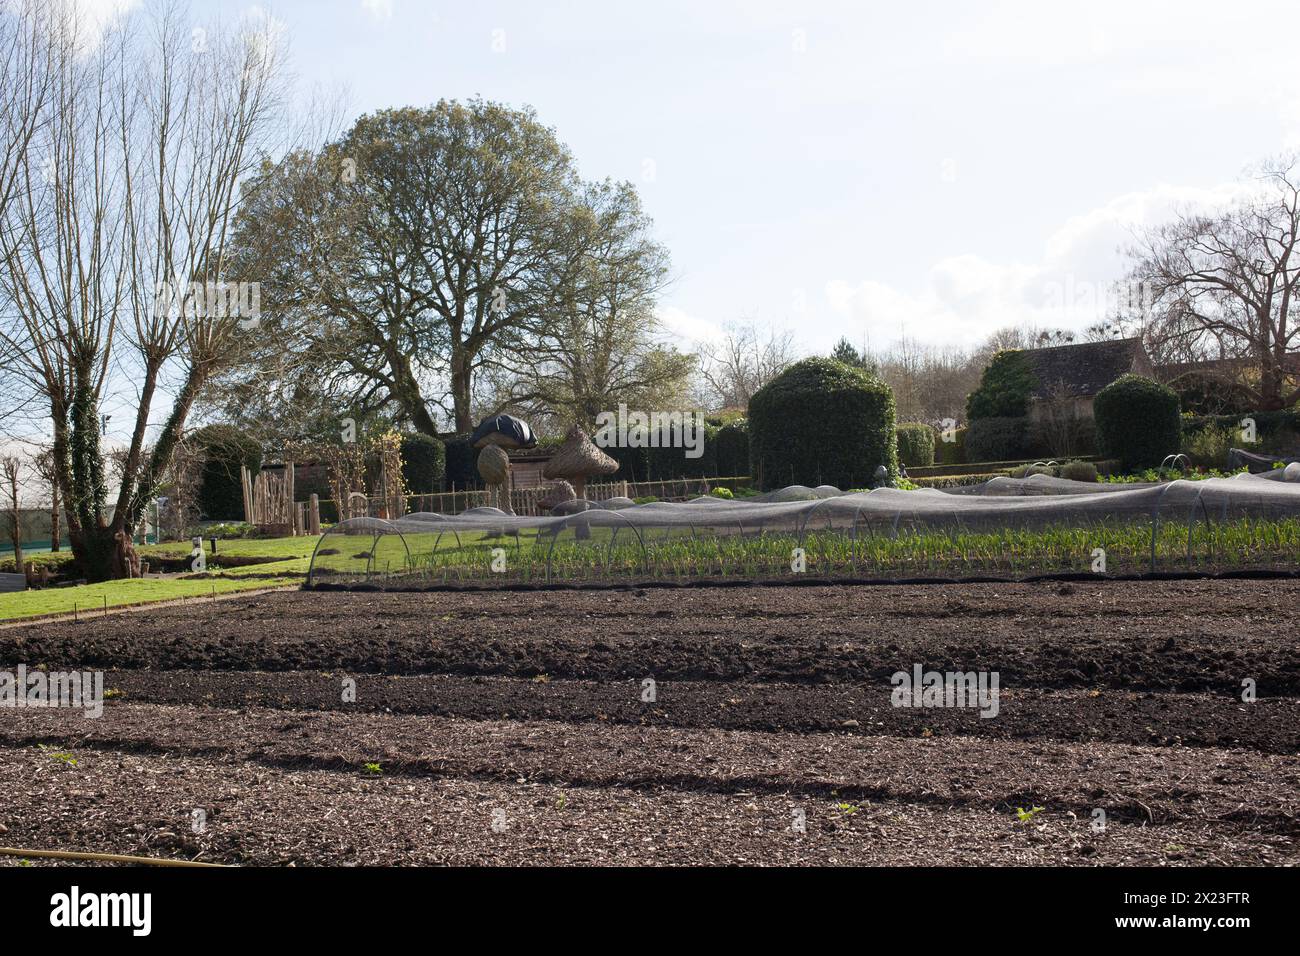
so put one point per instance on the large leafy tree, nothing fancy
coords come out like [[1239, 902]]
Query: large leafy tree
[[407, 256]]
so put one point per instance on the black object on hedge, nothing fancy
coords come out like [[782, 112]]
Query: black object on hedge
[[821, 422], [504, 430], [1138, 421]]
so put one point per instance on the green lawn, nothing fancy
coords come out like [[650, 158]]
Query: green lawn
[[89, 598]]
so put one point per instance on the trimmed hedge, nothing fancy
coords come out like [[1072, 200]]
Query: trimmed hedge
[[915, 445], [460, 460], [224, 448], [1138, 421], [424, 464], [1004, 388], [821, 422], [999, 439], [951, 452], [733, 448]]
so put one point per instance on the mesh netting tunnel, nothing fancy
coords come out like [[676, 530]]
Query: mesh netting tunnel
[[1004, 528]]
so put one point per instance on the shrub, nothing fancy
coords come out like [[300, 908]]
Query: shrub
[[1138, 421], [224, 449], [1004, 388], [822, 422], [724, 493], [1209, 446], [999, 439], [1079, 471], [916, 445], [424, 463]]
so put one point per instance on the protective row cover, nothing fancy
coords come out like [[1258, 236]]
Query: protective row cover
[[1005, 527]]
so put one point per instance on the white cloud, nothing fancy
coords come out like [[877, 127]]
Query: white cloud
[[967, 297], [378, 9], [686, 327]]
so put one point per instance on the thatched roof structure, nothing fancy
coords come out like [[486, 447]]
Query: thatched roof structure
[[579, 459]]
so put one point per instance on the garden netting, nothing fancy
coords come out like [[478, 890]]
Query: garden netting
[[1004, 528]]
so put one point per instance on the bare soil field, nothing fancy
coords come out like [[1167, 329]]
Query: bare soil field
[[520, 727]]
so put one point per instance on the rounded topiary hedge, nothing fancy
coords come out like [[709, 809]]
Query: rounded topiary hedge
[[424, 464], [224, 448], [916, 445], [1139, 421], [821, 422]]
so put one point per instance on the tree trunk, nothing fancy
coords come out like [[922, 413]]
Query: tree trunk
[[56, 517], [460, 391]]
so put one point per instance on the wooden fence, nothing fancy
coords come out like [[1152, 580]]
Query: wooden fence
[[524, 501]]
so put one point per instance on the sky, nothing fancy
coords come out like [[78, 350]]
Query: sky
[[869, 170]]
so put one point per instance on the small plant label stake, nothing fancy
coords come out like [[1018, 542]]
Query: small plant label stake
[[649, 691], [1098, 820], [499, 824], [1098, 560], [798, 561], [198, 820], [498, 560], [800, 822], [349, 690], [1248, 690]]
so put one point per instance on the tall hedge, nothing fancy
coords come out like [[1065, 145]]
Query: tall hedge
[[424, 463], [1138, 421], [916, 444], [999, 439], [224, 449], [1004, 388], [733, 448], [461, 460], [822, 422]]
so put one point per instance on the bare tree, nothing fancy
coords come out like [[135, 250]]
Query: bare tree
[[743, 361], [10, 469], [1223, 284], [43, 465], [115, 246]]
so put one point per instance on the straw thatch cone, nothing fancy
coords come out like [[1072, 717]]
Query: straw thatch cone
[[494, 466], [577, 460], [558, 493]]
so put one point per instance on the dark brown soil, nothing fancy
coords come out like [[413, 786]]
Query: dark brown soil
[[1123, 697]]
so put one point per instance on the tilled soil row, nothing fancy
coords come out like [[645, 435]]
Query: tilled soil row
[[144, 805], [1196, 636], [1115, 716], [1239, 791]]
